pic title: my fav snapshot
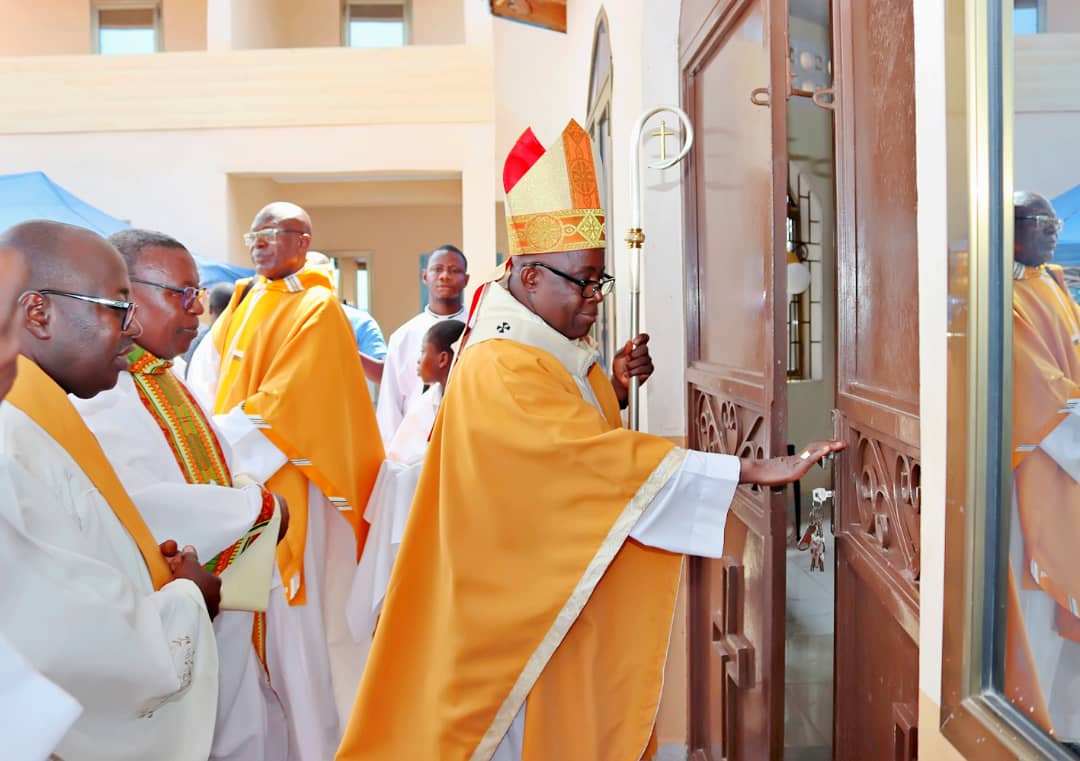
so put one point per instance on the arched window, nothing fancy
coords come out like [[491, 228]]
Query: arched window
[[598, 124]]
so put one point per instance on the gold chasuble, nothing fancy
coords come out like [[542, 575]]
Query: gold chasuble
[[1046, 374], [44, 402], [288, 356], [517, 579]]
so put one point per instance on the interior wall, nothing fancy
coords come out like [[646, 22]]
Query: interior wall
[[932, 158], [310, 24], [250, 27], [1047, 98], [438, 22], [63, 27], [183, 25], [44, 27], [395, 238], [1062, 17]]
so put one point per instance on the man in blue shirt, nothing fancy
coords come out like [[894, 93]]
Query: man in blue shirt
[[369, 341]]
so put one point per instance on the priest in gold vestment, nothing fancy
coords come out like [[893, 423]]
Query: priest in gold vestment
[[529, 610], [281, 373], [1043, 632]]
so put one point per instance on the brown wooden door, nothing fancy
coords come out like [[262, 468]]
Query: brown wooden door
[[878, 477], [736, 266]]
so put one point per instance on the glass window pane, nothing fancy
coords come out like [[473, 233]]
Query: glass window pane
[[376, 34], [126, 41], [362, 288], [376, 25], [1041, 576], [126, 31], [1026, 20]]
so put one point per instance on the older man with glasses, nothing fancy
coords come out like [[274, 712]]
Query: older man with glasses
[[89, 597], [282, 375], [180, 475], [1043, 633]]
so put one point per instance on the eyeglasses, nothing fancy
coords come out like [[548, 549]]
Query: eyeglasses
[[127, 307], [188, 295], [1047, 222], [269, 235], [589, 288]]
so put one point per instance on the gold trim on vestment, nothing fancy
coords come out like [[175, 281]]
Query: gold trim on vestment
[[549, 232], [603, 558]]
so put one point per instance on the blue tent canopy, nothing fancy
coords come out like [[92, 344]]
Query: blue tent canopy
[[1067, 206], [32, 195]]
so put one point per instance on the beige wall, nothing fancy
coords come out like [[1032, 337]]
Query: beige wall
[[931, 169], [1062, 16], [308, 24], [44, 27], [178, 181], [183, 24], [62, 27], [395, 236], [316, 86], [1047, 117], [438, 22]]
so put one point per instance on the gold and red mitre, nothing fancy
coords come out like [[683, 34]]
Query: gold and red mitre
[[552, 198]]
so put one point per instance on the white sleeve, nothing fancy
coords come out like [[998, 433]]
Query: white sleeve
[[208, 516], [36, 713], [202, 373], [143, 662], [388, 411], [252, 453], [689, 513], [1063, 443]]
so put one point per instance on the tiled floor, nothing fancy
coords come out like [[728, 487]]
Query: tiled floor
[[809, 657]]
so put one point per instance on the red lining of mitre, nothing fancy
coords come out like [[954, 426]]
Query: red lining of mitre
[[526, 151]]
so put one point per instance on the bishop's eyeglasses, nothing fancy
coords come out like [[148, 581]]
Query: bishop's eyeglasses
[[589, 288], [188, 295], [127, 307]]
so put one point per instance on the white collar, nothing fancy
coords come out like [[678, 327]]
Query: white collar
[[455, 316], [501, 316]]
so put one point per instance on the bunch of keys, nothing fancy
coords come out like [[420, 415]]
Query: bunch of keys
[[814, 538]]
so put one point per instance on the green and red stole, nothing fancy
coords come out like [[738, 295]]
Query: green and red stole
[[198, 453]]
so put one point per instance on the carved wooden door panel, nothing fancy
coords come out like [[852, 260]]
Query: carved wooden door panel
[[734, 55], [878, 477]]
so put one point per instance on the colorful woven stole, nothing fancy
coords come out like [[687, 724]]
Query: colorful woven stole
[[198, 453]]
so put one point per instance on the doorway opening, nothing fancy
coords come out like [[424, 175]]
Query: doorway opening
[[811, 392]]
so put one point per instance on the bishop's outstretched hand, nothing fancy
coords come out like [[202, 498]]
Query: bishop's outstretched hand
[[778, 471]]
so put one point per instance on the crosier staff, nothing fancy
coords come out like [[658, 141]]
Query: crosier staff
[[635, 237]]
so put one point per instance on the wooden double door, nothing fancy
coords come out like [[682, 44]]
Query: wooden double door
[[734, 58]]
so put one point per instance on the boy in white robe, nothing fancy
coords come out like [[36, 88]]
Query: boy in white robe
[[388, 508], [445, 278]]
